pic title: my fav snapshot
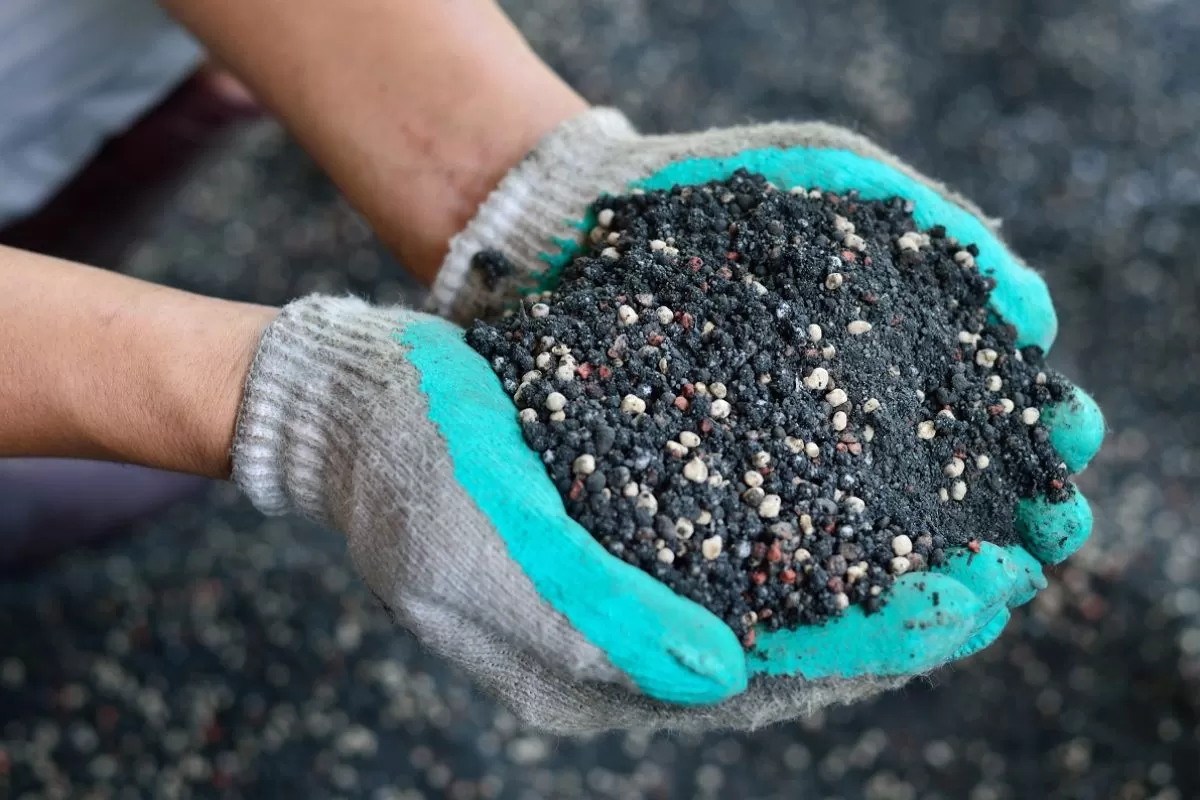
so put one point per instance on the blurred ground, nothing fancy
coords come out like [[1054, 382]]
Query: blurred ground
[[216, 654]]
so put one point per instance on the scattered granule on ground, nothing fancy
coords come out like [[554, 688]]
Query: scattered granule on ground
[[777, 402]]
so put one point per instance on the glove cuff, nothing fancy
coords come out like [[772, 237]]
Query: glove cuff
[[307, 396], [542, 200], [526, 211]]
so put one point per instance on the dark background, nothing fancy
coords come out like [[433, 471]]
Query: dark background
[[218, 654]]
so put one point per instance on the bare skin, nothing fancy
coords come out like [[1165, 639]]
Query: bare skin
[[416, 108], [99, 365]]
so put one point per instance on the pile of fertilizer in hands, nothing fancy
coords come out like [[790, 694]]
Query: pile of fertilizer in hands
[[776, 402]]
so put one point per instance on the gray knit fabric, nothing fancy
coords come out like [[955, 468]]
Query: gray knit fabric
[[334, 426], [596, 153]]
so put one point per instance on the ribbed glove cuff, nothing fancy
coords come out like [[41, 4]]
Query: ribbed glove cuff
[[526, 211], [543, 198], [319, 366]]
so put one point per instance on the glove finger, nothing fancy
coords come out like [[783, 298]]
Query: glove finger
[[1053, 531], [1076, 428], [671, 648], [927, 618], [990, 574], [1021, 297], [1031, 578], [989, 633]]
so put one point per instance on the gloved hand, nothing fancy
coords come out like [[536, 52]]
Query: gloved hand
[[538, 217], [384, 424]]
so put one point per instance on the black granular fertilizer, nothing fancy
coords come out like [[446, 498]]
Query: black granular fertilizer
[[777, 402], [493, 265]]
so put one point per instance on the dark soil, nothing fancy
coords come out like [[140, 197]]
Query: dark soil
[[775, 508]]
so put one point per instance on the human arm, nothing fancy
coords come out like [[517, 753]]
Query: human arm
[[99, 365], [416, 109], [415, 114], [331, 409]]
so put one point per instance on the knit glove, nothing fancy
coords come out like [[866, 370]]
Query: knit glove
[[383, 423], [538, 218]]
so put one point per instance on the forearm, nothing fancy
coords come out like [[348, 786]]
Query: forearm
[[98, 365], [416, 108]]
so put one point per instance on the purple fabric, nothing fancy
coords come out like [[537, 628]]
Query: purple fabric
[[50, 505]]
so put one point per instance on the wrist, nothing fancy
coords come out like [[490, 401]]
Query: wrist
[[98, 365], [499, 119], [454, 136], [201, 378], [175, 368]]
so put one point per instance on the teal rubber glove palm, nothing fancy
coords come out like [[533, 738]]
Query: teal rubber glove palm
[[538, 216]]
